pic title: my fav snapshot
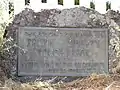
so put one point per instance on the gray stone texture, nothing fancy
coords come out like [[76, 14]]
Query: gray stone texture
[[75, 17]]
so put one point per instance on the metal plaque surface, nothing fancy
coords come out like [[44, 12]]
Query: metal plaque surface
[[62, 51]]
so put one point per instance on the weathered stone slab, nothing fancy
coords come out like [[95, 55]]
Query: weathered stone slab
[[62, 51]]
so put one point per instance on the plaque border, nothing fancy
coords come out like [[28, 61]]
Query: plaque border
[[62, 28]]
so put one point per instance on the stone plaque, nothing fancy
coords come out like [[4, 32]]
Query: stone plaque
[[62, 51]]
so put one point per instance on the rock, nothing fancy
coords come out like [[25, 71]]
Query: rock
[[78, 17], [113, 20], [75, 17]]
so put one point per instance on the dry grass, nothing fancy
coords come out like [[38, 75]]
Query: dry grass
[[28, 86], [93, 82]]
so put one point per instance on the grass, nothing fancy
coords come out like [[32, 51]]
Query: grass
[[93, 82]]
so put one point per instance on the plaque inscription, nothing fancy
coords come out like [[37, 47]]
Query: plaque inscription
[[62, 51]]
